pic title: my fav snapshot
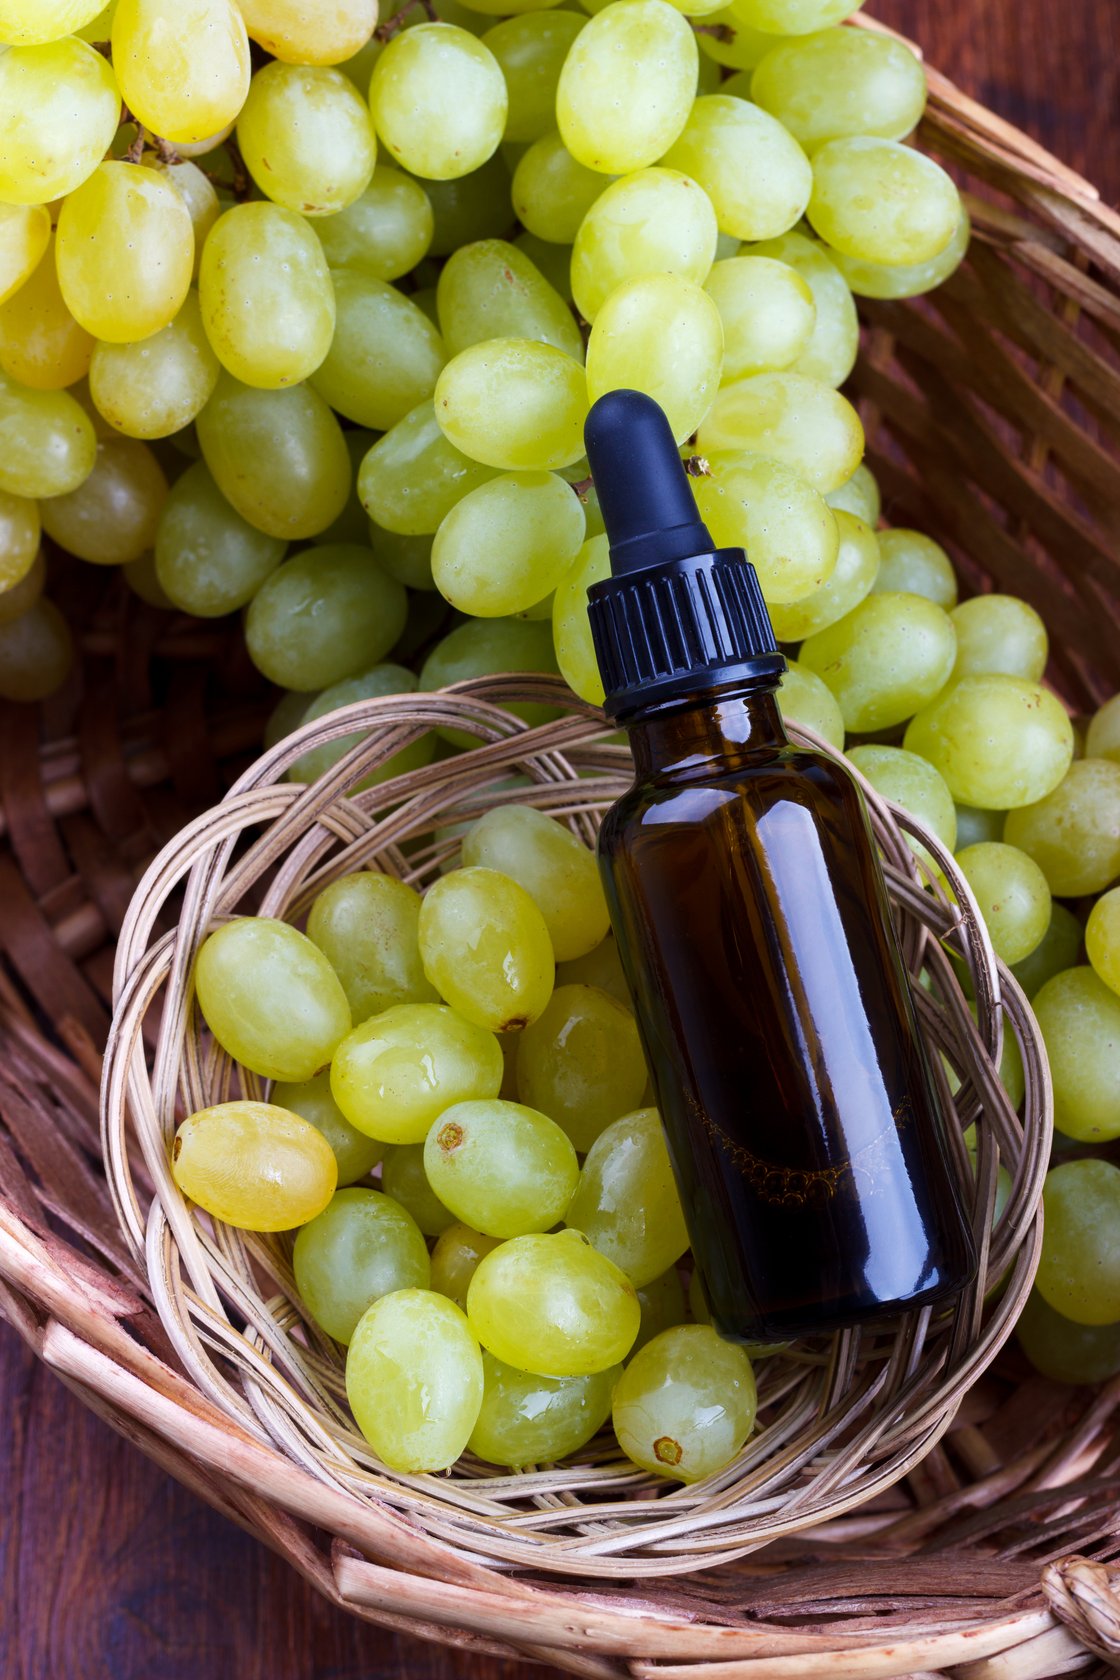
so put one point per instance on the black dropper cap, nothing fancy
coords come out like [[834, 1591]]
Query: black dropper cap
[[677, 616]]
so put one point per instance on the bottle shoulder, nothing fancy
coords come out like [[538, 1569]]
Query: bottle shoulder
[[780, 774]]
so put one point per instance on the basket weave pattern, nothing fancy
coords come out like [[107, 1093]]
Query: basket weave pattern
[[989, 409]]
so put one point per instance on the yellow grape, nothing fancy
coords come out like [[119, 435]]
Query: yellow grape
[[156, 387], [764, 506], [530, 50], [36, 652], [439, 101], [254, 1166], [571, 629], [396, 1073], [903, 280], [112, 516], [655, 221], [413, 476], [28, 22], [414, 1380], [626, 86], [514, 403], [742, 50], [553, 1305], [367, 926], [386, 230], [555, 867], [660, 334], [767, 310], [61, 110], [853, 576], [1000, 742], [19, 541], [47, 441], [301, 34], [1103, 737], [804, 698], [1073, 831], [299, 479], [887, 658], [842, 82], [1102, 939], [486, 949], [860, 496], [909, 781], [24, 232], [914, 564], [490, 289], [271, 998], [787, 417], [307, 138], [794, 17], [752, 169], [882, 202], [999, 633], [41, 344], [182, 65], [507, 544], [267, 299], [198, 193], [125, 252], [385, 356], [833, 344]]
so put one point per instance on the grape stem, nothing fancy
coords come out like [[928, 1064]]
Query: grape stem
[[718, 31], [385, 31], [698, 466], [581, 487]]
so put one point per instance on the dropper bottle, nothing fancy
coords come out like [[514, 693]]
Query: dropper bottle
[[754, 930]]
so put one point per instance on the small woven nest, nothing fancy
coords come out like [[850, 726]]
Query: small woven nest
[[840, 1419]]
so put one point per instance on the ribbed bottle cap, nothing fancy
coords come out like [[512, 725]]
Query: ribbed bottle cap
[[677, 615]]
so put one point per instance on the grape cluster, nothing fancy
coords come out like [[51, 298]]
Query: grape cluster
[[476, 1044]]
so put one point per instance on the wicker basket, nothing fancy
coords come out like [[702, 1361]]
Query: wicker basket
[[989, 408]]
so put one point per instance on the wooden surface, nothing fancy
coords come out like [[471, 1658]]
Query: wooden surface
[[108, 1568]]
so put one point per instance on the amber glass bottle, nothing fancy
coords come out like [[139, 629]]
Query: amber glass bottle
[[754, 929]]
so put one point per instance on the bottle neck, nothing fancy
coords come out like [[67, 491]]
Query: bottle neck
[[723, 727]]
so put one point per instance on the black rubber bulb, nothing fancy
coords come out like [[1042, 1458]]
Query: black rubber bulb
[[647, 503]]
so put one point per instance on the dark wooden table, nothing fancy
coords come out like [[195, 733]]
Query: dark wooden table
[[111, 1571]]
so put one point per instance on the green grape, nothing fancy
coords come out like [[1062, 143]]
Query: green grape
[[27, 22], [209, 560], [767, 310], [408, 559], [253, 1165], [268, 304], [373, 684], [1102, 939], [663, 1305], [25, 231], [1079, 1272], [396, 1073], [403, 1177], [662, 335], [998, 741], [385, 356], [326, 614], [552, 192], [414, 1373], [114, 514], [652, 222], [1073, 831], [627, 1203], [913, 564], [507, 544], [912, 783], [860, 495], [413, 476], [906, 280], [1012, 894], [1079, 1016], [890, 656], [362, 1246], [1103, 737], [626, 86], [455, 1259], [476, 206], [41, 344], [514, 403], [571, 629], [685, 1404], [831, 350], [278, 456], [482, 647], [527, 1419], [125, 250], [198, 194], [367, 926], [794, 17], [485, 948], [1058, 949], [852, 578], [553, 1305], [302, 34], [752, 169], [1065, 1351], [842, 82], [558, 871], [385, 231], [355, 1154], [20, 526], [582, 1063], [491, 290], [36, 652], [439, 101], [182, 65], [61, 109], [999, 633], [600, 968], [158, 386], [766, 507], [882, 202], [552, 260], [530, 51], [270, 998], [787, 417], [502, 1167], [804, 698], [307, 138], [734, 44]]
